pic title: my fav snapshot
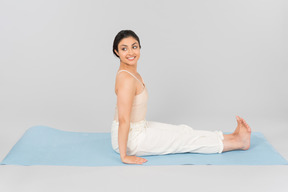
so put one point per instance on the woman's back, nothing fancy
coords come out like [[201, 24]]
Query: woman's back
[[139, 107]]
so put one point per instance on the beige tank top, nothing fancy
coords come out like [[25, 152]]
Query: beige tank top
[[139, 106]]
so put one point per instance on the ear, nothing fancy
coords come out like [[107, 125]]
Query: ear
[[116, 52]]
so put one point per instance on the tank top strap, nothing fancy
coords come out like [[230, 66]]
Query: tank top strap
[[133, 76]]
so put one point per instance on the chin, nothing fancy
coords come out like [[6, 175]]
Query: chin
[[132, 62]]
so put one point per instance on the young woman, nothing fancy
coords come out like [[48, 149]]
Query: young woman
[[133, 136]]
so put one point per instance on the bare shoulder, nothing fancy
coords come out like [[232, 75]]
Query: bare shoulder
[[124, 82]]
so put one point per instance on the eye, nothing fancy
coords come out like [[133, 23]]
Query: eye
[[123, 49], [135, 46]]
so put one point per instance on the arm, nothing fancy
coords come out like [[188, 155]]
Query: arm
[[125, 96]]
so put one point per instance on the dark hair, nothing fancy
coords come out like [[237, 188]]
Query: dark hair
[[121, 35]]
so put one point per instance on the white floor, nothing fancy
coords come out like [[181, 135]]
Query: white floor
[[152, 178]]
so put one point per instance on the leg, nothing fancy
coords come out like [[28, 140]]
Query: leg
[[162, 138], [240, 138]]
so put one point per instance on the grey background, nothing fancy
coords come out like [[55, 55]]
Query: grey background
[[203, 62]]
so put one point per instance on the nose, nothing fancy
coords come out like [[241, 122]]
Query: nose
[[130, 51]]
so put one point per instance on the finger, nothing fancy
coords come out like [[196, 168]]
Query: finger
[[139, 158], [139, 162], [143, 160]]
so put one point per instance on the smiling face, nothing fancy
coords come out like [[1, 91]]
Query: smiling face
[[128, 51]]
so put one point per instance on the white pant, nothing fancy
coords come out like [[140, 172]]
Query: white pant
[[155, 138]]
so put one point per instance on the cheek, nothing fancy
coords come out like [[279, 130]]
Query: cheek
[[122, 54]]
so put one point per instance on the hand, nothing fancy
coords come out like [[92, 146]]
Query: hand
[[133, 160]]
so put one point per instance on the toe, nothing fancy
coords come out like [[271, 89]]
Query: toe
[[249, 128], [238, 120], [245, 122], [241, 120]]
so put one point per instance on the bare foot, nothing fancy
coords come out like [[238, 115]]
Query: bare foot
[[243, 134], [239, 122]]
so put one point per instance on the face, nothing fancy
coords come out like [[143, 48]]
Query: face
[[128, 51]]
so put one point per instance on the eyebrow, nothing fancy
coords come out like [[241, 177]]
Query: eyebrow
[[126, 45]]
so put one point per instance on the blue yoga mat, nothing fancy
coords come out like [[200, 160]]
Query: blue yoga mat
[[42, 145]]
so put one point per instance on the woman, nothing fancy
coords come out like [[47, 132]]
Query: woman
[[133, 136]]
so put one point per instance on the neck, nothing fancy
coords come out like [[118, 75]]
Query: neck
[[130, 68]]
